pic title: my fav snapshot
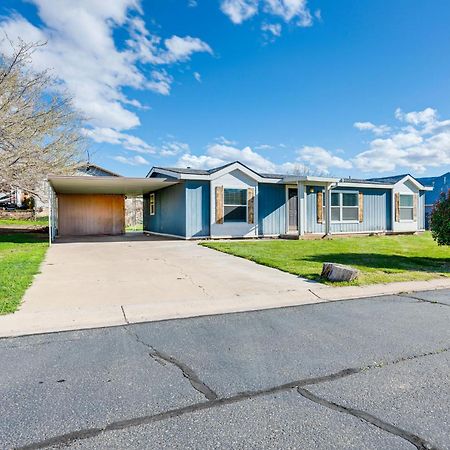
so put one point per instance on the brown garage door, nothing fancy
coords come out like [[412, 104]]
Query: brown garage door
[[90, 214]]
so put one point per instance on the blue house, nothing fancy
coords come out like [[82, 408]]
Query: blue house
[[235, 201], [440, 185]]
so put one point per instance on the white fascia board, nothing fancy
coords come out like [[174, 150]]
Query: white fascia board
[[168, 173], [237, 166], [365, 185], [419, 186], [309, 179]]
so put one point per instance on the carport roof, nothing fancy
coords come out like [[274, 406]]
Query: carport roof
[[107, 185]]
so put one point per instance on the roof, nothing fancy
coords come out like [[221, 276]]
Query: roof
[[392, 179], [107, 185], [88, 166], [186, 173]]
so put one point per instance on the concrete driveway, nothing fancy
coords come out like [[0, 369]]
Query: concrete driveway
[[99, 281]]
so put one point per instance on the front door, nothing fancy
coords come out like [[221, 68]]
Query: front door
[[293, 209]]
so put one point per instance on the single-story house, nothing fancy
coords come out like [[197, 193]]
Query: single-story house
[[235, 201]]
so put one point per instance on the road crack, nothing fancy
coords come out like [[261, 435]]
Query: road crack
[[433, 302], [187, 371], [65, 439], [418, 442]]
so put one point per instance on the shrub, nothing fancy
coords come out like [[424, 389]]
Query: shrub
[[440, 220]]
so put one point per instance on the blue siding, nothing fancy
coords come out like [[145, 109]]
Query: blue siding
[[170, 214], [271, 209], [377, 212], [197, 208]]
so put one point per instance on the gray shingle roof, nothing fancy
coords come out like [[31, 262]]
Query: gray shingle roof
[[390, 180]]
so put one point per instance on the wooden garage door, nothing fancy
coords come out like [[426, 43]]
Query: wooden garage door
[[90, 214]]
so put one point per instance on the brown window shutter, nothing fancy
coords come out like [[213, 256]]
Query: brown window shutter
[[219, 204], [397, 207], [415, 207], [320, 207], [251, 205], [361, 207]]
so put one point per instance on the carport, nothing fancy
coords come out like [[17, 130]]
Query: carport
[[81, 205]]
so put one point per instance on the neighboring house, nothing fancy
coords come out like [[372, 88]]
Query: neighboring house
[[440, 185], [236, 201], [93, 170]]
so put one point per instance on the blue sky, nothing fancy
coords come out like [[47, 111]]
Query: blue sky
[[356, 88]]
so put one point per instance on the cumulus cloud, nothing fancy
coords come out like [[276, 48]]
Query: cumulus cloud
[[83, 54], [272, 30], [111, 136], [369, 126], [291, 11], [239, 10], [322, 159], [136, 160], [421, 141]]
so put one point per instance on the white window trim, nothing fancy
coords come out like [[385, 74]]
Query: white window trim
[[231, 204], [341, 205], [152, 204], [400, 207]]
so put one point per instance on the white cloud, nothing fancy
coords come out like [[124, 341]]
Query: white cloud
[[197, 76], [219, 154], [290, 9], [173, 148], [295, 11], [132, 160], [111, 136], [239, 10], [321, 159], [223, 140], [263, 147], [424, 142], [83, 54], [272, 30], [369, 126]]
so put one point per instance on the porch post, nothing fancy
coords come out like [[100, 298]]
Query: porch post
[[328, 209], [301, 208]]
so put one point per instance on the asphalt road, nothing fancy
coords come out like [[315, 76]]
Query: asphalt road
[[357, 374]]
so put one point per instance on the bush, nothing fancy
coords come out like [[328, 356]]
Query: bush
[[440, 220]]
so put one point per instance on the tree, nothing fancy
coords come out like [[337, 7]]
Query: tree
[[440, 220], [39, 128]]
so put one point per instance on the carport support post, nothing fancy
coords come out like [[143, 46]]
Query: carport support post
[[301, 208], [328, 209]]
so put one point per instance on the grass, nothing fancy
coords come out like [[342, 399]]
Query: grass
[[381, 259], [20, 257], [38, 222], [137, 227]]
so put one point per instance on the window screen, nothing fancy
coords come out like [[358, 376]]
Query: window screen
[[235, 205]]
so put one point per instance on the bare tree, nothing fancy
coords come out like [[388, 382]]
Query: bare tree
[[302, 170], [39, 128]]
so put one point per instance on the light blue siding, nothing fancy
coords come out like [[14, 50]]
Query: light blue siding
[[170, 214], [197, 208], [377, 212], [271, 209]]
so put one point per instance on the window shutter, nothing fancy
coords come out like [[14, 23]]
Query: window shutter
[[219, 204], [251, 205], [361, 207], [397, 207], [415, 207], [320, 207]]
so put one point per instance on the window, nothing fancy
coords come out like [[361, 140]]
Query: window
[[406, 207], [344, 206], [235, 205], [152, 205]]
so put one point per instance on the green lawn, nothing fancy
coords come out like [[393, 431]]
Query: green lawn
[[380, 259], [20, 257], [38, 222]]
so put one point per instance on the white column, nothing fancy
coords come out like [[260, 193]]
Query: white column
[[301, 208], [328, 209]]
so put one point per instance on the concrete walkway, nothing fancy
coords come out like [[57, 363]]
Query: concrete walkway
[[95, 282]]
